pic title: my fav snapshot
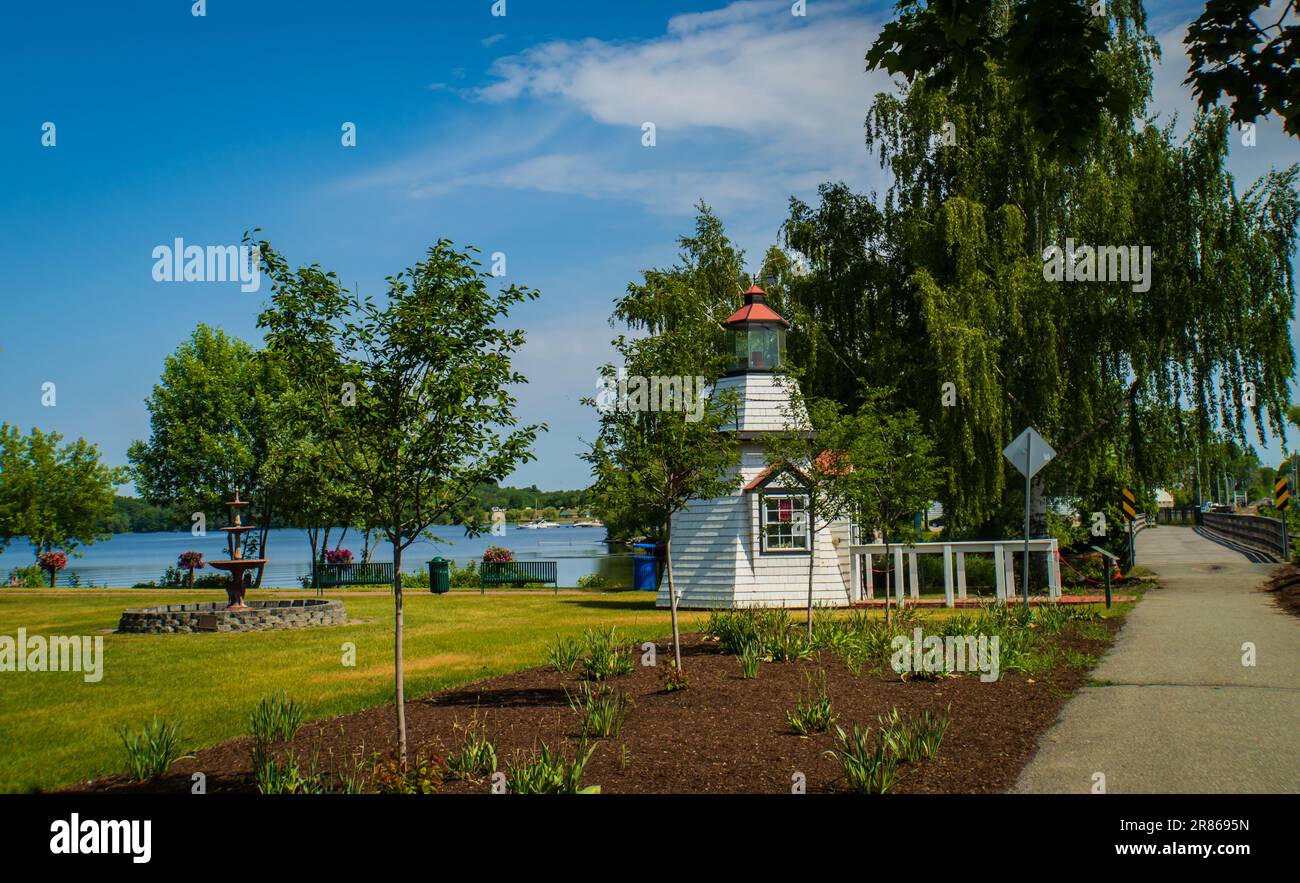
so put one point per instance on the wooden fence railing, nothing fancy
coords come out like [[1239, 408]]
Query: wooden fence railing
[[954, 567], [1255, 531]]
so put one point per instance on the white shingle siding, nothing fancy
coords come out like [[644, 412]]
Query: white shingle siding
[[717, 553]]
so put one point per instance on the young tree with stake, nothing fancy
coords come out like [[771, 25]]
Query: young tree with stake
[[411, 392]]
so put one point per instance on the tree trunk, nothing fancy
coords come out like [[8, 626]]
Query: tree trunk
[[398, 668], [672, 598], [261, 545], [54, 577], [812, 561]]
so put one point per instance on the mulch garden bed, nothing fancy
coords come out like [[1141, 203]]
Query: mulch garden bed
[[724, 734]]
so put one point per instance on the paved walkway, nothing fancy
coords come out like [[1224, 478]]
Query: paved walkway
[[1179, 713]]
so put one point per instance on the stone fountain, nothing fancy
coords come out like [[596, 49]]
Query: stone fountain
[[237, 563], [236, 616]]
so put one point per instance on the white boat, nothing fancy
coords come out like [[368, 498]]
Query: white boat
[[537, 525], [588, 524]]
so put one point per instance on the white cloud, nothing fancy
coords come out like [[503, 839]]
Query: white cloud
[[492, 40], [749, 102]]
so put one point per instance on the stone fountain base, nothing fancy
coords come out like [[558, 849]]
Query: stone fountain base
[[258, 616]]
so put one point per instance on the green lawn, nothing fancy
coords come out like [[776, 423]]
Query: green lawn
[[56, 729]]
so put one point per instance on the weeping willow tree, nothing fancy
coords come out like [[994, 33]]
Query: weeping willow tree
[[942, 281]]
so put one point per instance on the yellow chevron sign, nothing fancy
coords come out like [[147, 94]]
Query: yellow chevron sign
[[1282, 493], [1128, 505]]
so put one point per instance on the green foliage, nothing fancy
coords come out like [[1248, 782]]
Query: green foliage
[[592, 581], [216, 423], [273, 774], [913, 739], [813, 714], [751, 656], [56, 495], [421, 776], [1252, 63], [152, 749], [547, 772], [476, 755], [29, 577], [869, 769], [673, 677], [563, 653], [276, 718], [606, 655], [602, 709]]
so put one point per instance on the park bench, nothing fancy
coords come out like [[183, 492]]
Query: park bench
[[373, 573], [518, 573]]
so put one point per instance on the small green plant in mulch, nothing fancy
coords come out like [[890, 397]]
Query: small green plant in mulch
[[564, 653], [913, 739], [276, 718], [275, 774], [423, 775], [813, 714], [606, 655], [868, 768], [751, 656], [602, 709], [1079, 659], [152, 749], [476, 756], [673, 677], [548, 772]]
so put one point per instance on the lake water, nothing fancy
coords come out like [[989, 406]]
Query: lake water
[[129, 558]]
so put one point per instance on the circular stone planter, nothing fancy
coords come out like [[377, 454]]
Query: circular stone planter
[[214, 617]]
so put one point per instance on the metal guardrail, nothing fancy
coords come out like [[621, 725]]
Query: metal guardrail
[[1253, 531], [1189, 515]]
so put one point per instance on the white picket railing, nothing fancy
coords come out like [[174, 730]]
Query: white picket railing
[[954, 566]]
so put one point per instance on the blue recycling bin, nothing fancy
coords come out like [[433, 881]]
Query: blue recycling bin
[[645, 567]]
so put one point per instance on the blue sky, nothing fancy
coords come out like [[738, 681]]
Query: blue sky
[[519, 134]]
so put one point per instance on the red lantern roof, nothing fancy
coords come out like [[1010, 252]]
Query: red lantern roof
[[756, 309]]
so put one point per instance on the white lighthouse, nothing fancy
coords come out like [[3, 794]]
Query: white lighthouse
[[751, 548]]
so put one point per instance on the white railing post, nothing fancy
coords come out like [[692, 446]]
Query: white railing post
[[911, 571], [1010, 570], [898, 575], [999, 572], [1054, 573], [961, 575], [855, 577], [870, 577], [948, 599]]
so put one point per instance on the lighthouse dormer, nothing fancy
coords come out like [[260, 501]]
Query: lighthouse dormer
[[755, 336]]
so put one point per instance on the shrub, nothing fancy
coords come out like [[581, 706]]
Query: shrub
[[564, 653], [602, 709], [550, 773], [674, 678], [463, 577], [868, 769], [814, 713], [420, 776], [151, 750], [592, 581], [29, 577]]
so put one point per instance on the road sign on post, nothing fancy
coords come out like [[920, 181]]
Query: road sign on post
[[1029, 453], [1282, 499], [1128, 508]]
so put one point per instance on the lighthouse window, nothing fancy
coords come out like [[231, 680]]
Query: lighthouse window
[[785, 522]]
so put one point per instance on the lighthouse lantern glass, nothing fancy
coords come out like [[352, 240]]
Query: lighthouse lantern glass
[[756, 346]]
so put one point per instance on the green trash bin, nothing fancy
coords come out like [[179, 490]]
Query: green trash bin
[[439, 576]]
